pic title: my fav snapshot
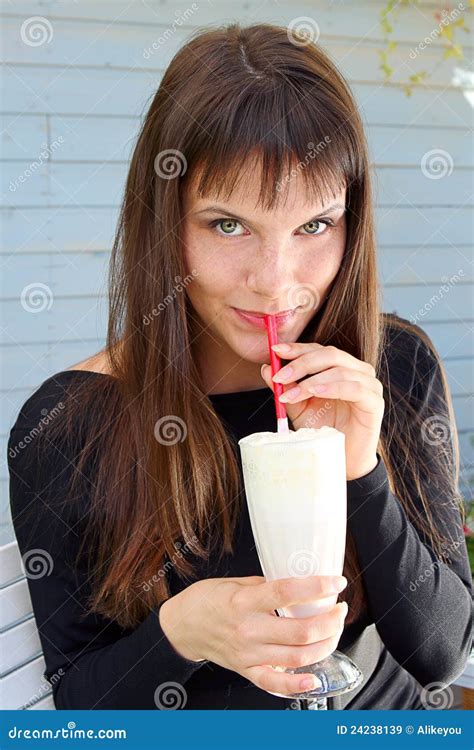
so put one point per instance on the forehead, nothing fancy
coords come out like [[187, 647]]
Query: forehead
[[291, 195]]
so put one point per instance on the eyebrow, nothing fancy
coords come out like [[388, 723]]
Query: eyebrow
[[215, 209]]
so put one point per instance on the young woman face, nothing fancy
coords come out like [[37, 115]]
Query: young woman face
[[245, 258]]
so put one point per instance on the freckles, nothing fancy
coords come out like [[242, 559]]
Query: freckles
[[323, 266], [333, 255], [320, 274], [190, 257], [197, 258], [212, 277]]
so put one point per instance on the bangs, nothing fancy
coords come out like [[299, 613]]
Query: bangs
[[284, 135]]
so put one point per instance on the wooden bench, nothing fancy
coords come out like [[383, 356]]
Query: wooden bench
[[22, 681]]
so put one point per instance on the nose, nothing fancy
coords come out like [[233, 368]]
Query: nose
[[272, 271]]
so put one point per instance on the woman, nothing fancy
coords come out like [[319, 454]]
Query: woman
[[248, 190]]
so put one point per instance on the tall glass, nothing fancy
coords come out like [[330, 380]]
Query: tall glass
[[295, 483]]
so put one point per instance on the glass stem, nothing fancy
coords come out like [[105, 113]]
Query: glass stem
[[314, 704]]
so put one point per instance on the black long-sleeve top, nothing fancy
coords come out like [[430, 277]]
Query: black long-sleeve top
[[425, 627]]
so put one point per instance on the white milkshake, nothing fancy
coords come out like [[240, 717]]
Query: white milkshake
[[295, 483]]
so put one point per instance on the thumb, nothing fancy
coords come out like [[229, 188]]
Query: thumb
[[292, 410], [266, 373]]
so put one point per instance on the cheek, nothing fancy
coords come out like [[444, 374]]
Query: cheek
[[336, 258], [329, 262], [214, 278], [190, 255]]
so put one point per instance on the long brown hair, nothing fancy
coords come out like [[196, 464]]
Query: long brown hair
[[228, 92]]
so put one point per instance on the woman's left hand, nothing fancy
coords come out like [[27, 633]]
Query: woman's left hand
[[349, 398]]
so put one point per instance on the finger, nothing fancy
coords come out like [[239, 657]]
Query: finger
[[286, 591], [354, 391], [279, 683], [318, 360], [266, 373], [298, 349], [291, 349], [345, 373], [300, 631], [292, 412], [248, 580], [296, 657], [333, 375]]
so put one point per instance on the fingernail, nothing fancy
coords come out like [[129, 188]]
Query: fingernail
[[283, 375], [318, 388], [281, 347], [290, 394], [310, 683], [262, 369], [339, 583]]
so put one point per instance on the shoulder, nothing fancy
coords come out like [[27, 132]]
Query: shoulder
[[49, 399], [408, 352], [42, 454], [403, 336], [412, 370], [39, 443]]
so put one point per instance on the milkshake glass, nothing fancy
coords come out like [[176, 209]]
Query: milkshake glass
[[295, 484]]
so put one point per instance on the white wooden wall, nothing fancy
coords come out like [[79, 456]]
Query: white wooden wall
[[82, 93]]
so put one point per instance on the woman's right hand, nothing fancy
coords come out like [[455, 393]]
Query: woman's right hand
[[231, 622]]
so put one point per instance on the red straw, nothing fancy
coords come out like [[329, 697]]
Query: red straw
[[272, 335]]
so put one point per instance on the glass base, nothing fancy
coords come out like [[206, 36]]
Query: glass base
[[337, 674]]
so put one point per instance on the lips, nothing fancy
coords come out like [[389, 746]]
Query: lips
[[258, 319], [254, 314]]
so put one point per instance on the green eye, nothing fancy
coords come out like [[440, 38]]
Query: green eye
[[227, 225], [313, 226]]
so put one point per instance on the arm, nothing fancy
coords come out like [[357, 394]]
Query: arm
[[127, 673], [421, 606], [97, 665]]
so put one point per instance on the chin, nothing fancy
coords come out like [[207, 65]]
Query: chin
[[256, 352]]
